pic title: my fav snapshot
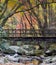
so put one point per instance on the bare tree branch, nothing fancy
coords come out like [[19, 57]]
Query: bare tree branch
[[10, 14]]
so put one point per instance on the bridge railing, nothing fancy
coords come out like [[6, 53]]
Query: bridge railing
[[27, 33]]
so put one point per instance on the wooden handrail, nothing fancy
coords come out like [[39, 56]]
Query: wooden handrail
[[29, 32]]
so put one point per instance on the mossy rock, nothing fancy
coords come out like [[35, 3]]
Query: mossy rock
[[52, 47], [38, 52]]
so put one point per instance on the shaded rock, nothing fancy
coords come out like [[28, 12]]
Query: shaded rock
[[8, 51], [50, 52]]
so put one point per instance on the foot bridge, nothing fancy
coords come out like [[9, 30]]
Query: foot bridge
[[26, 34]]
